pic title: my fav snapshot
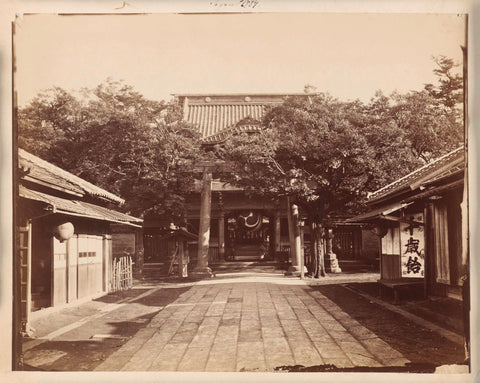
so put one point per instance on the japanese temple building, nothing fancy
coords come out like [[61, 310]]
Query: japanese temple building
[[242, 228]]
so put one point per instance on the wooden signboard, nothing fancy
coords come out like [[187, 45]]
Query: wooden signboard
[[412, 246]]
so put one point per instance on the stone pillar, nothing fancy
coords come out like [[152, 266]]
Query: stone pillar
[[291, 235], [331, 261], [296, 260], [303, 267], [202, 269], [182, 258], [277, 231], [297, 268], [221, 237]]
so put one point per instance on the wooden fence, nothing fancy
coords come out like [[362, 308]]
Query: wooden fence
[[122, 273], [213, 254]]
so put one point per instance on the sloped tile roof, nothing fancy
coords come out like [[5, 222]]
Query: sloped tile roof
[[445, 166], [212, 119], [80, 208], [44, 172], [217, 115]]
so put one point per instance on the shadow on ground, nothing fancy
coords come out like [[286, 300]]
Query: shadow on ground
[[413, 341], [95, 340]]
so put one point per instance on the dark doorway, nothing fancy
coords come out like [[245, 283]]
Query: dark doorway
[[248, 236]]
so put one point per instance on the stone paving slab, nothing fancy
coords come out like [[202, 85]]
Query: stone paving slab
[[251, 327], [169, 357], [250, 356]]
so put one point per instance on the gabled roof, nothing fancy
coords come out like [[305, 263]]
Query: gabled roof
[[44, 173], [217, 115], [448, 165]]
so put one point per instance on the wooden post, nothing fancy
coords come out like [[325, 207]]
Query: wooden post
[[202, 269], [29, 278], [139, 252], [105, 263], [221, 237]]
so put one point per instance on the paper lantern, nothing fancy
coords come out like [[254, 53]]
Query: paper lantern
[[380, 230], [64, 231]]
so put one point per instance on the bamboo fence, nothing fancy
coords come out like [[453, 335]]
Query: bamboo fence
[[122, 273]]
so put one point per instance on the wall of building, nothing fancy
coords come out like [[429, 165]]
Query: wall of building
[[390, 258], [66, 271]]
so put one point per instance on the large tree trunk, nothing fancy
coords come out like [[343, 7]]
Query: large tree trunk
[[318, 249]]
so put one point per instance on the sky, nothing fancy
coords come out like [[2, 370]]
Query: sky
[[349, 56]]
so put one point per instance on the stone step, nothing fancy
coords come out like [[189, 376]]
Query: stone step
[[355, 265], [247, 257]]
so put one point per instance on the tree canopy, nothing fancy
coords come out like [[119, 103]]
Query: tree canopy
[[325, 153], [112, 136], [328, 154]]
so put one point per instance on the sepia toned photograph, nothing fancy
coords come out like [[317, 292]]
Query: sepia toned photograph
[[241, 193]]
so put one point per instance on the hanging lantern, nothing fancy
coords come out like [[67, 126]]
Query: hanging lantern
[[64, 231], [380, 230]]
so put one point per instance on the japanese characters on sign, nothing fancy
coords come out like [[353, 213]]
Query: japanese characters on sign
[[412, 246]]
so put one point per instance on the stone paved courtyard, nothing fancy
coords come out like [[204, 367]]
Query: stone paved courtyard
[[254, 326]]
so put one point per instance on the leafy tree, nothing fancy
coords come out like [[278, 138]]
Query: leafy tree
[[112, 136], [326, 155], [431, 129], [449, 90], [320, 153]]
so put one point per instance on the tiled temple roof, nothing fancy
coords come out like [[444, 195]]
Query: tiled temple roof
[[217, 115]]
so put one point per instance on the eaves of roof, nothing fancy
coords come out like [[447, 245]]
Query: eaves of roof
[[446, 166], [379, 213], [78, 208], [224, 134], [47, 174]]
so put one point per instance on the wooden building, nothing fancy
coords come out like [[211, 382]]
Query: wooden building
[[418, 219], [240, 228], [64, 236]]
